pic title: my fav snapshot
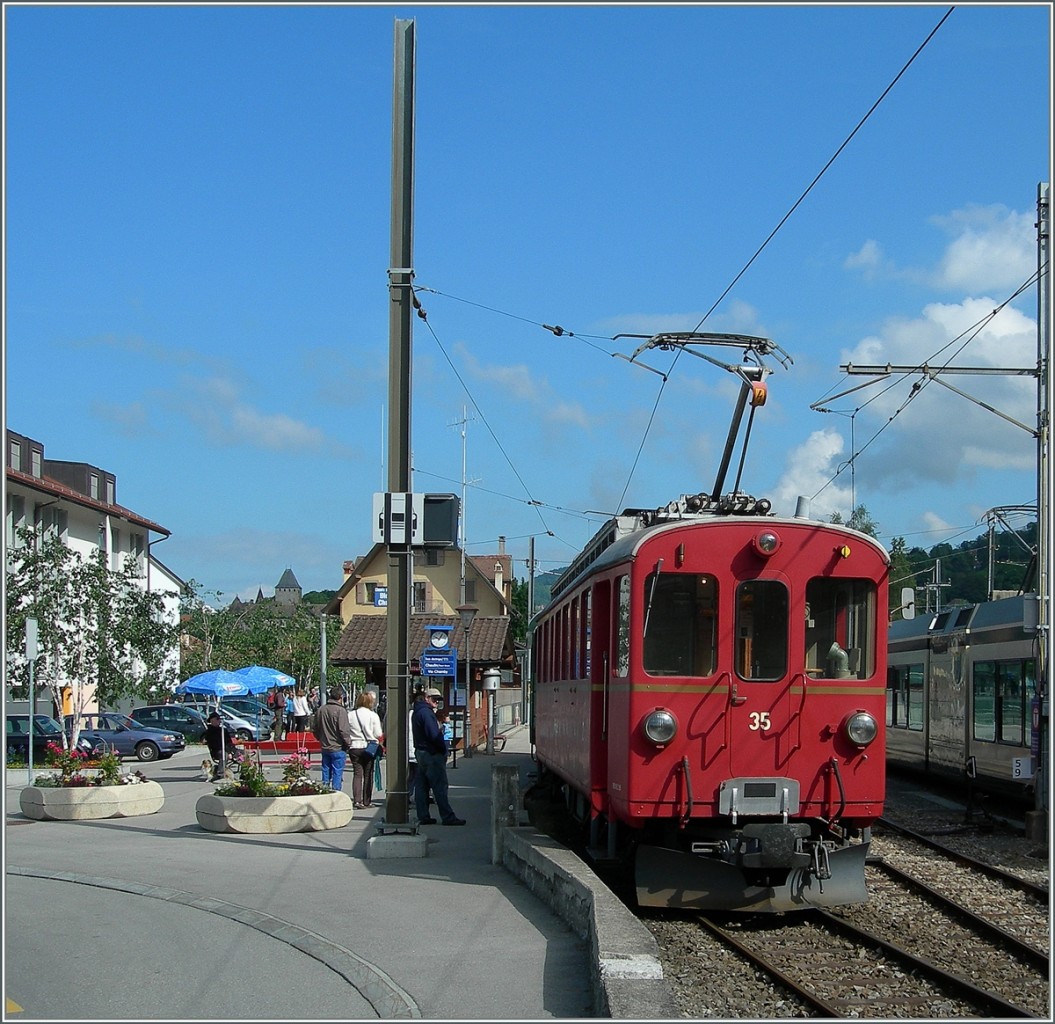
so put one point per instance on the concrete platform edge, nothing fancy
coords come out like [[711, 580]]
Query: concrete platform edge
[[628, 977]]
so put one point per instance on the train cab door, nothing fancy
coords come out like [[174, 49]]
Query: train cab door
[[760, 710]]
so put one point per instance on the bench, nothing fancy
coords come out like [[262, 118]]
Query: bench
[[275, 751]]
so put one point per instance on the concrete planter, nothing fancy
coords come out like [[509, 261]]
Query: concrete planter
[[273, 814], [76, 803]]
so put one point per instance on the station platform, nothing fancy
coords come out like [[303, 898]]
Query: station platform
[[155, 918]]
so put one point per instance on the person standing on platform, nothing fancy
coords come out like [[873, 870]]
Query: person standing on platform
[[301, 711], [366, 729], [430, 749], [277, 703], [335, 738]]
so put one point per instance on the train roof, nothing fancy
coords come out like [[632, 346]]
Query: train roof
[[976, 617], [619, 537]]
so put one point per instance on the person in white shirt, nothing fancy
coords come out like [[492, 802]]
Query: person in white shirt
[[365, 727], [301, 711]]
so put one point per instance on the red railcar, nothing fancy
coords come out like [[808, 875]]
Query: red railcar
[[709, 691]]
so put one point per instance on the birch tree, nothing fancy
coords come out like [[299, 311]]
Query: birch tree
[[100, 633]]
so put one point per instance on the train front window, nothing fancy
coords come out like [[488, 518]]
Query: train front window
[[840, 628], [762, 629], [680, 624]]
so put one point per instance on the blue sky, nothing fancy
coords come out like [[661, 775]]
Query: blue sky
[[197, 205]]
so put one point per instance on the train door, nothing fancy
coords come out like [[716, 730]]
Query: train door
[[758, 698]]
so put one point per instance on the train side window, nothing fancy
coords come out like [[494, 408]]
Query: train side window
[[622, 629], [680, 624], [1000, 691], [761, 629], [840, 628], [983, 702], [904, 697]]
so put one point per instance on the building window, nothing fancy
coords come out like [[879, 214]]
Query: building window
[[37, 457], [419, 597], [14, 455], [16, 517], [111, 498], [470, 591], [434, 556], [93, 486], [54, 523]]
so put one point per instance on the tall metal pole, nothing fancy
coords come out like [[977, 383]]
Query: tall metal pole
[[1045, 544], [525, 681], [400, 278]]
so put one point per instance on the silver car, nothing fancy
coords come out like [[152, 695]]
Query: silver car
[[241, 727]]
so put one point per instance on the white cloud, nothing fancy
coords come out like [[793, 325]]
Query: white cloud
[[868, 259], [992, 249], [808, 471]]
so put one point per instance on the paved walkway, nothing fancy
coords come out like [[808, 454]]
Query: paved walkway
[[153, 918]]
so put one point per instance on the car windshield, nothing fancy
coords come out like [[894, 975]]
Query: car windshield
[[48, 726]]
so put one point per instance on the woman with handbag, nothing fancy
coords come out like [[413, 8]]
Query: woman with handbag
[[367, 737]]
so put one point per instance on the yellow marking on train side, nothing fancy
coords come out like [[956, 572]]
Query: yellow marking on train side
[[11, 1006]]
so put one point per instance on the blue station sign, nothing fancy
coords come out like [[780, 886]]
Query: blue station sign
[[439, 663]]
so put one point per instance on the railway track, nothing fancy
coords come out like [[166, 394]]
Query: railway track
[[1037, 891], [838, 969]]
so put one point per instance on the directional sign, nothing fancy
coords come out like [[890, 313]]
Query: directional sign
[[439, 663]]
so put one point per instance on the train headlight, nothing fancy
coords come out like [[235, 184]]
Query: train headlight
[[861, 728], [660, 727], [766, 543]]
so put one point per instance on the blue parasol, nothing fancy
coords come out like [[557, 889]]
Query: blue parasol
[[260, 678], [217, 683]]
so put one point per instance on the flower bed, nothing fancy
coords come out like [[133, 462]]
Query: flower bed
[[253, 804], [75, 803], [69, 793]]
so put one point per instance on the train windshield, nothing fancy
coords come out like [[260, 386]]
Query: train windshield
[[840, 628], [680, 628]]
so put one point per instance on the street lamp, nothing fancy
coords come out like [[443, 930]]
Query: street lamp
[[492, 681], [467, 613]]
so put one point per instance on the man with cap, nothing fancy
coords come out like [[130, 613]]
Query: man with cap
[[334, 736], [430, 750]]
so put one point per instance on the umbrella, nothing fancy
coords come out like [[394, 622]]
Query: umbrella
[[218, 683], [260, 678]]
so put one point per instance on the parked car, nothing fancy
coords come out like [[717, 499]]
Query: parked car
[[250, 709], [173, 718], [45, 730], [129, 737], [241, 727]]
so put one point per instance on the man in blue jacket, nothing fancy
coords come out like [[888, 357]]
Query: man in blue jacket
[[430, 750]]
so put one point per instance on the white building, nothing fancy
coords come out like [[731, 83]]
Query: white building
[[78, 503]]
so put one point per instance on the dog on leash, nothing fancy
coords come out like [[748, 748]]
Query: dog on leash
[[209, 773]]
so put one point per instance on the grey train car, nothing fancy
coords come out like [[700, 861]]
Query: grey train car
[[960, 692]]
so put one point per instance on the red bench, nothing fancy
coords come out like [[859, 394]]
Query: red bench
[[275, 751]]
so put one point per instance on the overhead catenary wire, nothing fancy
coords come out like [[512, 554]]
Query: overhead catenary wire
[[559, 331], [967, 335]]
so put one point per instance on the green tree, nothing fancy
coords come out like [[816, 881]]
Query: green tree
[[519, 611], [860, 519], [101, 634], [260, 633]]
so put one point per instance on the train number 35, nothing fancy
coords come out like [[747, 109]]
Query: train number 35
[[759, 720]]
